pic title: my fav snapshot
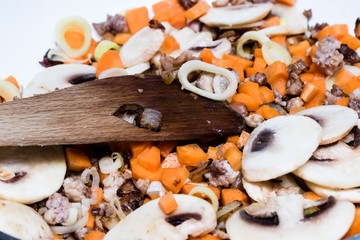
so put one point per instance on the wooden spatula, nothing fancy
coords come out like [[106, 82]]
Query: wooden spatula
[[84, 114]]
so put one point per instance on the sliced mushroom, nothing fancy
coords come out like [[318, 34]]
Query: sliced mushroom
[[279, 146], [333, 166], [236, 15], [30, 174], [336, 121], [193, 217], [260, 191], [218, 48], [139, 68], [351, 194], [283, 217], [59, 77], [22, 222], [113, 72], [199, 39], [142, 46], [295, 21]]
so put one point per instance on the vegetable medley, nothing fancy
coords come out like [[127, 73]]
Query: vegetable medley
[[291, 174]]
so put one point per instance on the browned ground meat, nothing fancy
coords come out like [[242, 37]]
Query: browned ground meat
[[354, 102], [75, 189], [57, 209], [186, 4], [350, 56], [156, 24], [259, 78], [105, 210], [327, 57], [220, 3], [113, 24], [297, 67], [294, 85], [294, 102], [81, 232], [307, 14], [279, 98], [334, 95], [317, 28], [221, 174]]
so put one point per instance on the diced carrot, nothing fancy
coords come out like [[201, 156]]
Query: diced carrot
[[233, 156], [137, 19], [294, 110], [355, 226], [206, 55], [347, 81], [196, 11], [242, 139], [271, 21], [312, 51], [249, 102], [12, 80], [170, 11], [320, 97], [146, 200], [267, 112], [226, 146], [307, 77], [205, 237], [228, 195], [171, 161], [121, 38], [311, 196], [189, 186], [212, 153], [343, 101], [94, 235], [166, 147], [299, 49], [91, 220], [252, 70], [56, 237], [74, 37], [76, 159], [252, 89], [222, 63], [276, 75], [336, 30], [191, 154], [267, 95], [258, 53], [91, 50], [154, 196], [351, 41], [139, 171], [150, 158], [243, 61], [99, 195], [233, 139], [280, 39], [167, 203], [259, 63], [238, 67], [357, 64], [169, 45], [174, 178], [137, 147], [309, 92], [110, 59], [287, 2]]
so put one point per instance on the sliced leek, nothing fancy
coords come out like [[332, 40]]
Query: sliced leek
[[8, 91], [60, 29], [206, 192], [273, 52], [250, 36], [104, 46], [113, 72]]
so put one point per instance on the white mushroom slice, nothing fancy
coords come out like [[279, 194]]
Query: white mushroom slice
[[38, 173], [141, 47], [294, 21], [273, 52], [351, 194], [250, 36], [218, 48], [260, 191], [8, 91], [334, 166], [183, 36], [57, 77], [22, 222], [336, 121], [236, 15], [196, 65], [113, 72], [279, 146], [139, 68], [194, 217], [286, 220], [199, 39], [244, 26]]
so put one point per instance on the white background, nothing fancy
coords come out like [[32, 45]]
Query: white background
[[27, 26]]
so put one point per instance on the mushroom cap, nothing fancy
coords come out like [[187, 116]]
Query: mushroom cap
[[42, 169], [149, 222], [336, 121], [351, 194], [332, 221], [56, 77], [279, 146], [22, 222], [336, 166]]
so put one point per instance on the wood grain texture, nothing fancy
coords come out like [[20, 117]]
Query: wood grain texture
[[83, 114]]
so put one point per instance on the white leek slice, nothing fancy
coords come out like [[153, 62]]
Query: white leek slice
[[250, 36], [113, 72], [206, 192], [8, 91], [104, 46], [55, 56], [195, 65], [273, 52], [60, 30]]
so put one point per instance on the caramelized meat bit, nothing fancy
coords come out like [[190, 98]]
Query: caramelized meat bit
[[308, 14], [297, 67], [220, 3], [221, 174], [327, 57], [156, 24], [294, 85], [294, 102], [357, 28], [186, 4], [334, 95], [259, 78], [350, 56], [113, 24], [354, 101], [75, 189], [48, 62]]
